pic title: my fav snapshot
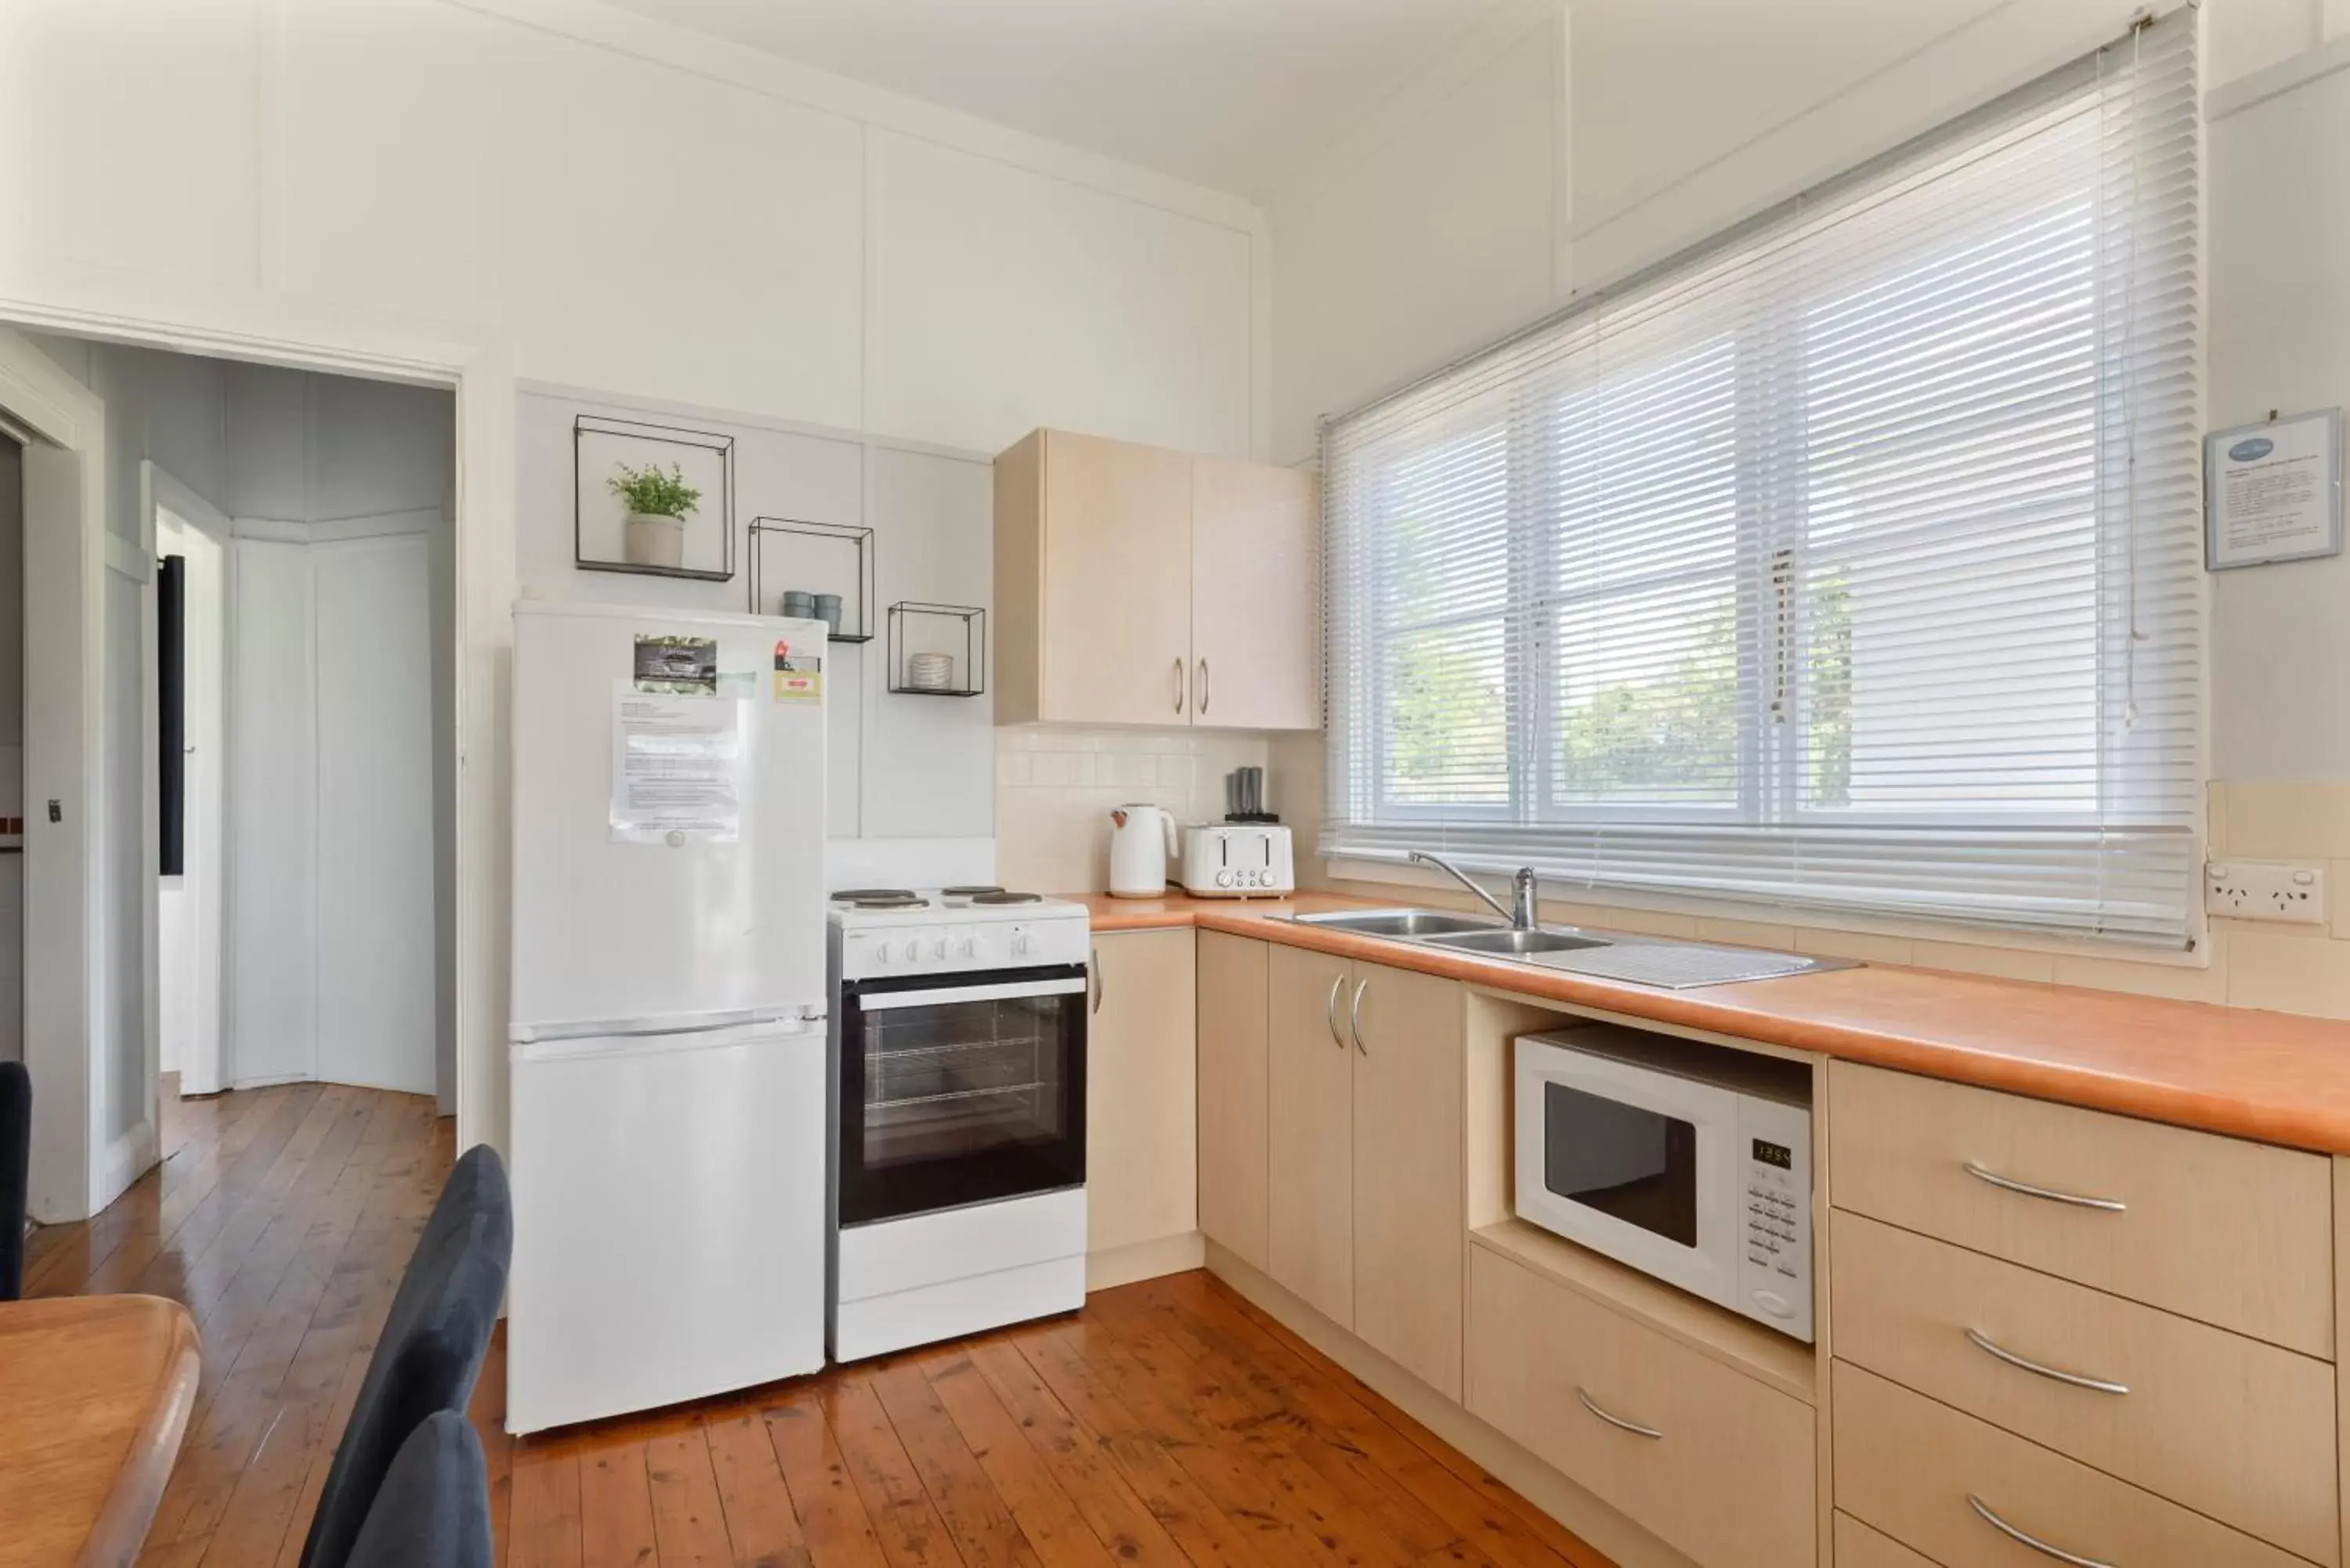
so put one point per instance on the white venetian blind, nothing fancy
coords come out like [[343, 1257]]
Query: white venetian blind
[[1850, 562]]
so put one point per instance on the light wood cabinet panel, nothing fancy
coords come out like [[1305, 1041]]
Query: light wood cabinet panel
[[1410, 1228], [1310, 1161], [2233, 1233], [1234, 977], [1093, 582], [1859, 1546], [2231, 1427], [1256, 585], [1142, 1091], [1907, 1465], [1728, 1476]]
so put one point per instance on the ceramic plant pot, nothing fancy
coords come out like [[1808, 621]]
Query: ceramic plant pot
[[650, 539]]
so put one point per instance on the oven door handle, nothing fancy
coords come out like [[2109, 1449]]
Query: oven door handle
[[883, 1000]]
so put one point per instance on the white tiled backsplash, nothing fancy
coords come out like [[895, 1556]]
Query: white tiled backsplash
[[1054, 789]]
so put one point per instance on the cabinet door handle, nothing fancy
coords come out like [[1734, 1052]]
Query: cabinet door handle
[[1200, 703], [1093, 982], [1330, 1009], [2009, 1184], [1354, 1015], [1617, 1422], [1983, 1342], [1982, 1512], [1179, 686]]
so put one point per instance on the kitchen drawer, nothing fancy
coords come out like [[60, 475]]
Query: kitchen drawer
[[1859, 1546], [1728, 1477], [2233, 1233], [1908, 1465], [2231, 1427]]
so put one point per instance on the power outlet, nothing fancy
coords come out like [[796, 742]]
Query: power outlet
[[2265, 890]]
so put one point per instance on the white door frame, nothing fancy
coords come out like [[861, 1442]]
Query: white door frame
[[273, 327], [64, 654], [205, 1071]]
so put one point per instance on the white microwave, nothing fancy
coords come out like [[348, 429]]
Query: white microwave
[[1690, 1162]]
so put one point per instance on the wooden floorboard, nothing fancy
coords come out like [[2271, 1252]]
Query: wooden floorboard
[[1169, 1425]]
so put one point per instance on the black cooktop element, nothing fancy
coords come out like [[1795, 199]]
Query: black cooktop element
[[860, 895], [1000, 896], [970, 892]]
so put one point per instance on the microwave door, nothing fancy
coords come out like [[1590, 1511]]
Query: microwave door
[[1632, 1165]]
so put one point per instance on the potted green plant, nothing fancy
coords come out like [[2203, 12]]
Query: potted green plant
[[659, 503]]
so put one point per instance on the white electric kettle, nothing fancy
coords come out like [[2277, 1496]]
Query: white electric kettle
[[1141, 837]]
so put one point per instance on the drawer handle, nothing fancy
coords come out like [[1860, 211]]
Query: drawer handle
[[1354, 1015], [1617, 1422], [1982, 1342], [1093, 980], [2009, 1184], [1330, 1010], [2022, 1538]]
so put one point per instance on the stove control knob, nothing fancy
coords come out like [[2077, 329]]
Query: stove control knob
[[971, 947], [1019, 943], [913, 953], [880, 952], [938, 948]]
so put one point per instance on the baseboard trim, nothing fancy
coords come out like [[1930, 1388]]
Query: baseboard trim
[[1144, 1261], [1624, 1541]]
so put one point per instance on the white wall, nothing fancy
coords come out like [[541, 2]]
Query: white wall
[[819, 251], [1566, 146]]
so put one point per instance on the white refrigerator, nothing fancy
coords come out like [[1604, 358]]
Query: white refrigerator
[[667, 1035]]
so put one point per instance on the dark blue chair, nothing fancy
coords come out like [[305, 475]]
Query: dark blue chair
[[431, 1350], [433, 1508], [16, 1161]]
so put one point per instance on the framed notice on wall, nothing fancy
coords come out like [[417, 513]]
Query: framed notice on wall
[[2272, 491]]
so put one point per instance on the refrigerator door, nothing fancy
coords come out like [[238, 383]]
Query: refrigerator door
[[669, 1219], [651, 924]]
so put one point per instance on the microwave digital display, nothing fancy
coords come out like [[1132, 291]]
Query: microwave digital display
[[1777, 1154]]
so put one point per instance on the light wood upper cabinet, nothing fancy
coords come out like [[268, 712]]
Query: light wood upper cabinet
[[1256, 588], [1409, 1221], [1310, 1164], [1233, 976], [1141, 1085], [1138, 585]]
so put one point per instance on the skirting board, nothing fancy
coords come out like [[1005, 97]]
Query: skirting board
[[1144, 1261], [1623, 1540]]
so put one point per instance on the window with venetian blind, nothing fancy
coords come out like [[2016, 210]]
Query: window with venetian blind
[[1851, 562]]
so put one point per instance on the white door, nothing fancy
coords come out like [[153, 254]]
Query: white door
[[606, 929], [378, 966], [669, 1220], [273, 1004]]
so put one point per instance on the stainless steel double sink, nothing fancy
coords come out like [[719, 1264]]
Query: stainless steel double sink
[[1661, 963]]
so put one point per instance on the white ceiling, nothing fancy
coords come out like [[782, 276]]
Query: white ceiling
[[1229, 94]]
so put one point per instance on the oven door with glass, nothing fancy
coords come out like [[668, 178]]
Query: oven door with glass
[[1631, 1162], [959, 1089]]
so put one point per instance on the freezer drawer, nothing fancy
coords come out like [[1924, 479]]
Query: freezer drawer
[[669, 1220]]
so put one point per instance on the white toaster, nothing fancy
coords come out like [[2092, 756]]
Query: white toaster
[[1238, 860]]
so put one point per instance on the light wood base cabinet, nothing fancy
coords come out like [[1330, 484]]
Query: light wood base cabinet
[[1310, 1164], [2231, 1427], [1908, 1465], [1233, 1106], [1715, 1464], [1142, 1091], [1410, 1218]]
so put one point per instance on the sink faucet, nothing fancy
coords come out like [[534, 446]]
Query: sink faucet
[[1520, 912]]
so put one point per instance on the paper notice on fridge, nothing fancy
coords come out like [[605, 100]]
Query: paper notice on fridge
[[676, 767]]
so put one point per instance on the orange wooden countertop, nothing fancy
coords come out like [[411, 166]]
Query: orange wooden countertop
[[2276, 1076], [94, 1398]]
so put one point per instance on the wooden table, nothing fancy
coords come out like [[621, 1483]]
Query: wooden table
[[94, 1398]]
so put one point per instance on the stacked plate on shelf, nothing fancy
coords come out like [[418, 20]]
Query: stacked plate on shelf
[[930, 671]]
